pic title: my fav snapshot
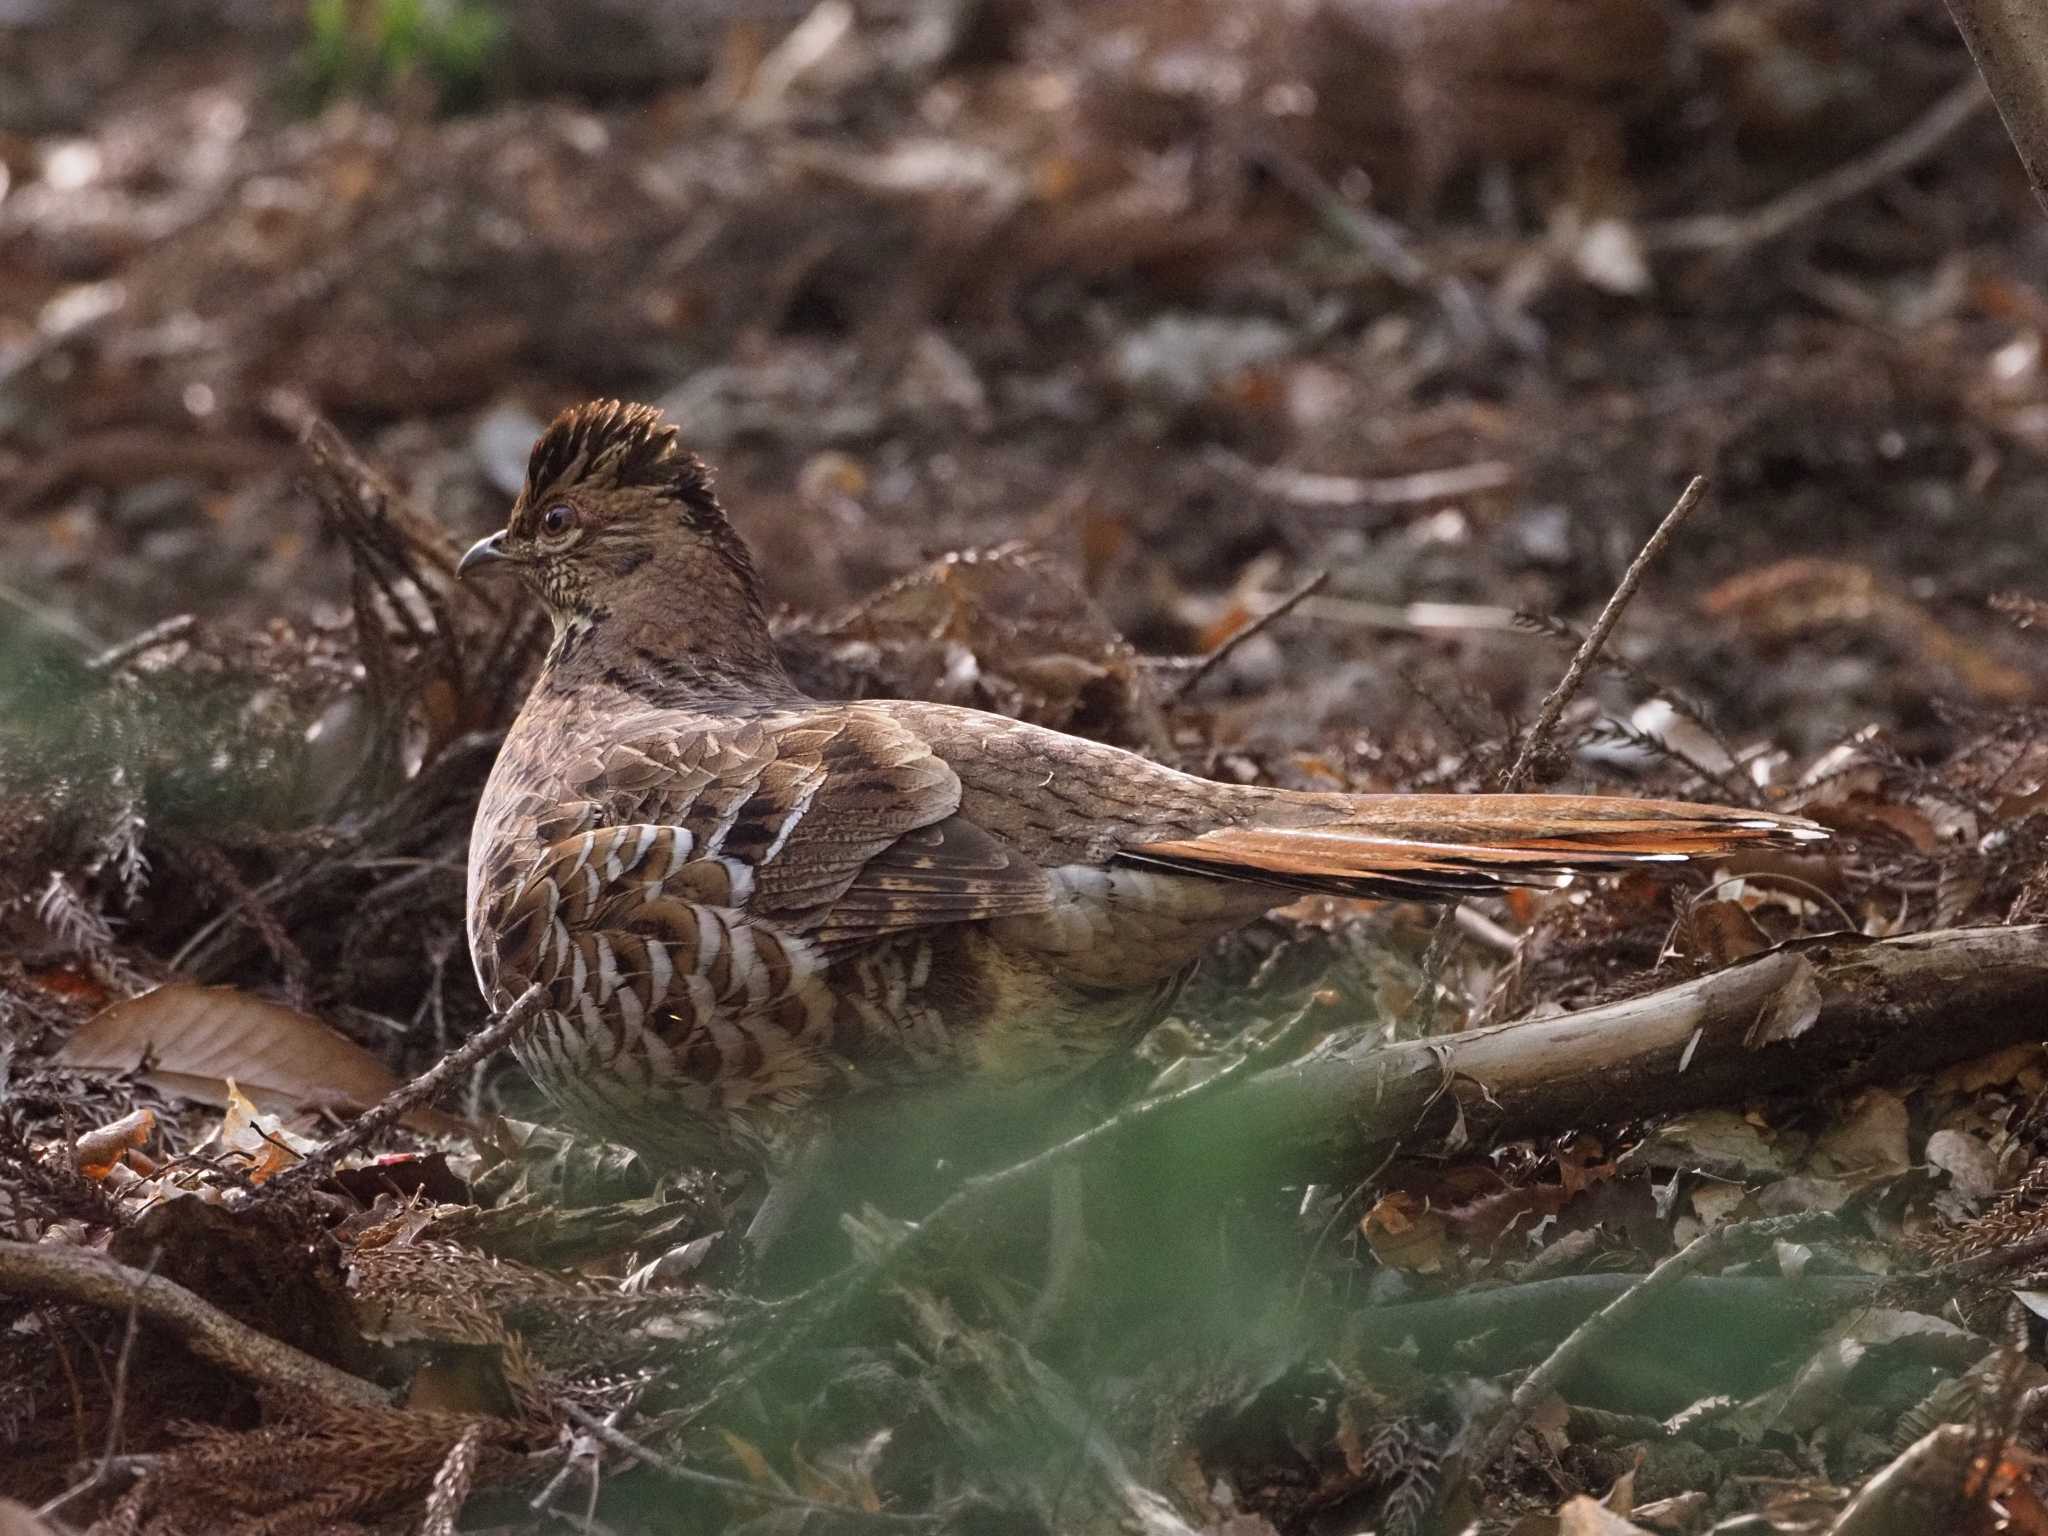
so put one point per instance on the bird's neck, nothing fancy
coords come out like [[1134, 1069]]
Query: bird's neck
[[699, 640]]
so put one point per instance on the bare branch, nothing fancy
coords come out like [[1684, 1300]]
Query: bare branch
[[51, 1273]]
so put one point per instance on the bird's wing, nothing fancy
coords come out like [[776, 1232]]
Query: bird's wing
[[840, 823], [1064, 801]]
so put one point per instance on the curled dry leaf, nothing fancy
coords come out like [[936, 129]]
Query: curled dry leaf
[[119, 1142], [258, 1142], [1405, 1233], [1868, 1140], [1969, 1162], [1792, 1010], [188, 1040]]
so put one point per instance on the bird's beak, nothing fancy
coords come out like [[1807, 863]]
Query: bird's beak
[[488, 550]]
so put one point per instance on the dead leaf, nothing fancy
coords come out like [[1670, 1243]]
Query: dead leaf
[[1406, 1234], [1791, 1012], [1722, 932], [1548, 1419], [99, 1150], [188, 1040], [1923, 1484], [1869, 1140], [1716, 1203], [70, 984], [1715, 1141], [1829, 1378], [1981, 1072], [260, 1141], [1680, 1512], [1971, 1165]]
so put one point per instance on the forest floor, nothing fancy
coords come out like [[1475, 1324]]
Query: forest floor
[[1046, 353]]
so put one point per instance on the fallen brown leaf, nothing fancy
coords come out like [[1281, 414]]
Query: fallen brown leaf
[[188, 1040]]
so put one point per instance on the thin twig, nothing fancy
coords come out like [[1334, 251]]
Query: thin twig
[[1737, 231], [92, 1279], [168, 632], [1554, 704], [676, 1472], [1596, 638], [120, 1407], [491, 1038], [55, 621], [1494, 1440], [1346, 493], [1262, 622], [104, 1471], [1382, 242], [544, 1500]]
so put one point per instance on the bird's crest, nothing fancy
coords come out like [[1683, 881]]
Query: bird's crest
[[608, 444]]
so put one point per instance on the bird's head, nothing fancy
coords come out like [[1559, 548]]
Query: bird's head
[[617, 527]]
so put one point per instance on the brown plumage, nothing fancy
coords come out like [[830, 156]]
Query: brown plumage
[[747, 903]]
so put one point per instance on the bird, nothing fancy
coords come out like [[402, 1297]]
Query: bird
[[748, 908]]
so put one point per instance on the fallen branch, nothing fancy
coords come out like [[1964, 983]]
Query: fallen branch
[[51, 1273], [1886, 1008], [2009, 41], [1209, 663]]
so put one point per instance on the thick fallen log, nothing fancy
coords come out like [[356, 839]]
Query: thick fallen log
[[1817, 1015]]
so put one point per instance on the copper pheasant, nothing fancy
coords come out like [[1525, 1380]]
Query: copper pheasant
[[746, 904]]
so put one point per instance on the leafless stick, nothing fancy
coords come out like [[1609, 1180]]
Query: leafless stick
[[1618, 1314], [546, 1497], [153, 638], [676, 1472], [1346, 493], [52, 619], [1271, 616], [91, 1279], [119, 1409], [1385, 245], [1554, 703], [1596, 638], [1734, 231], [492, 1037]]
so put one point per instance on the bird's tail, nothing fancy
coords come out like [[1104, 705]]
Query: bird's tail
[[1417, 846]]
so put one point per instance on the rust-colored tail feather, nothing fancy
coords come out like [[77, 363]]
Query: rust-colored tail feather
[[1424, 845]]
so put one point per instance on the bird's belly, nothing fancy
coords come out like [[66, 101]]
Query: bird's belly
[[704, 1034]]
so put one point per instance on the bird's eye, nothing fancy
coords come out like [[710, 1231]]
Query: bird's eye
[[557, 520]]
